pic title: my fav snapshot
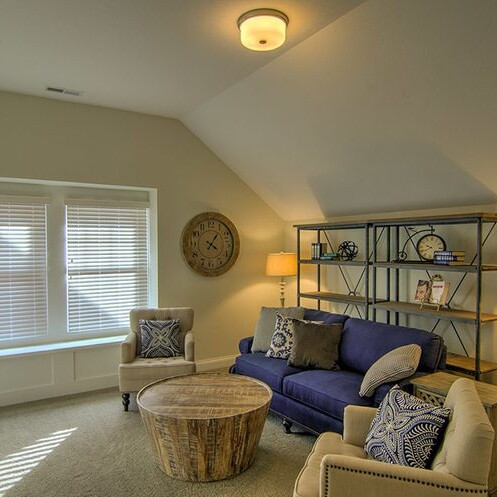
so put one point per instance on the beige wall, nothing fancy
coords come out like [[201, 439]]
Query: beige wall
[[53, 140]]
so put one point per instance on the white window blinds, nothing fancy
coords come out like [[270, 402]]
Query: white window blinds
[[23, 270], [107, 265]]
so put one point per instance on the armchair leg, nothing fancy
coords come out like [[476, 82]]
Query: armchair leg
[[287, 425], [125, 401]]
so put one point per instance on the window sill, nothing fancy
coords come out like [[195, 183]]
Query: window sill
[[55, 347]]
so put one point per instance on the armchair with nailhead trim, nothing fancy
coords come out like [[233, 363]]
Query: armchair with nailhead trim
[[338, 466]]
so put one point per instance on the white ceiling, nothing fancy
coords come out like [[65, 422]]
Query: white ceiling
[[162, 57], [371, 106]]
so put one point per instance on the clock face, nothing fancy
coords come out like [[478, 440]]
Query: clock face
[[210, 244], [428, 244]]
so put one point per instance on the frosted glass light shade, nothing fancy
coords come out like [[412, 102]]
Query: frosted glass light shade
[[281, 264], [263, 29]]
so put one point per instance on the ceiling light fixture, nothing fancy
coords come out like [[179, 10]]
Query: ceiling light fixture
[[263, 29]]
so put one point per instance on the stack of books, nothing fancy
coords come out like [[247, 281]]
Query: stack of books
[[317, 249], [328, 256], [449, 257]]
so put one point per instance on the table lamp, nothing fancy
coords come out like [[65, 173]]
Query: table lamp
[[281, 264]]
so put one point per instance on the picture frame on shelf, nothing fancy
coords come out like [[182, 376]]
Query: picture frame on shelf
[[439, 291], [423, 290]]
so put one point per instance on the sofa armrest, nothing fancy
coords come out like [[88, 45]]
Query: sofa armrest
[[356, 423], [245, 345], [342, 476], [128, 348], [189, 347]]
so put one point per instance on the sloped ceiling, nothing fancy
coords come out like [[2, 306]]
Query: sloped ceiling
[[391, 107], [371, 106], [162, 57]]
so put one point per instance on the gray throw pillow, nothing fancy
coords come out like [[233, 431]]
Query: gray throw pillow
[[315, 345], [159, 338], [266, 325], [395, 365]]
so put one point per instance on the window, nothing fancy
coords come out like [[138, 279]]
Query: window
[[107, 266], [73, 261], [23, 270]]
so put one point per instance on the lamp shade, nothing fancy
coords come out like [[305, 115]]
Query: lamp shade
[[263, 29], [281, 264]]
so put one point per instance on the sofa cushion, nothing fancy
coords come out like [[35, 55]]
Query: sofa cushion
[[364, 342], [406, 430], [315, 345], [282, 340], [395, 365], [327, 391], [265, 325], [267, 369], [324, 316]]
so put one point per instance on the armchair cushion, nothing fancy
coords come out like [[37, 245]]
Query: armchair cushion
[[159, 338], [183, 314], [406, 430]]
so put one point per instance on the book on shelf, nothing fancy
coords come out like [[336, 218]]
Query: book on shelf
[[449, 258], [443, 253], [328, 256], [449, 263], [317, 249]]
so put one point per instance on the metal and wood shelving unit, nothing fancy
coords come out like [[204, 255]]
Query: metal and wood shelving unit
[[389, 232], [352, 298]]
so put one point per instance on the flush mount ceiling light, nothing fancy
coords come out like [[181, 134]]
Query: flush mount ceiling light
[[262, 29]]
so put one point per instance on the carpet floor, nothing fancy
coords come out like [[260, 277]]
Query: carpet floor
[[86, 446]]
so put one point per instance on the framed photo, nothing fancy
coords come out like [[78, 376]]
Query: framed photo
[[439, 292], [423, 291]]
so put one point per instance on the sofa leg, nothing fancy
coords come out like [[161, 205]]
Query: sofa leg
[[287, 425], [126, 401]]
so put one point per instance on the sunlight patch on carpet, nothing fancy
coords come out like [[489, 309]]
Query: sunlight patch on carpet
[[19, 464]]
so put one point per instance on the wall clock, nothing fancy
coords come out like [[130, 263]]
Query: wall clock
[[210, 244], [428, 244]]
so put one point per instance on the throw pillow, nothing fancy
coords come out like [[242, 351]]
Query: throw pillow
[[282, 341], [159, 338], [315, 345], [267, 322], [406, 430], [395, 365]]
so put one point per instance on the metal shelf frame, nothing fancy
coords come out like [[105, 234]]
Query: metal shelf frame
[[476, 267], [389, 230]]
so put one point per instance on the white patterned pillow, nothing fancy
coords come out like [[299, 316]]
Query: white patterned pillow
[[282, 340], [159, 338], [395, 365], [406, 430]]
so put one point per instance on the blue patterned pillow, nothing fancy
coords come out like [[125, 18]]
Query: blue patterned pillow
[[159, 338], [406, 430], [282, 341]]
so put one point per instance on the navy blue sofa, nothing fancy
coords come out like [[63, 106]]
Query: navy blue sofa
[[315, 399]]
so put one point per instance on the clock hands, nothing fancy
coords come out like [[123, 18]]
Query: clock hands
[[211, 243]]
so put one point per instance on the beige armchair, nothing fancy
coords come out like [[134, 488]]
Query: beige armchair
[[134, 371], [338, 466]]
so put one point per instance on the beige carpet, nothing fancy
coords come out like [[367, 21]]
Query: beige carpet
[[86, 446]]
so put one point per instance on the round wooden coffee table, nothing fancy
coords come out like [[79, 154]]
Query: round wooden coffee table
[[204, 427]]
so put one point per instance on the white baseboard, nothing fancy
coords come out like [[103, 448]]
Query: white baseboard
[[205, 365]]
